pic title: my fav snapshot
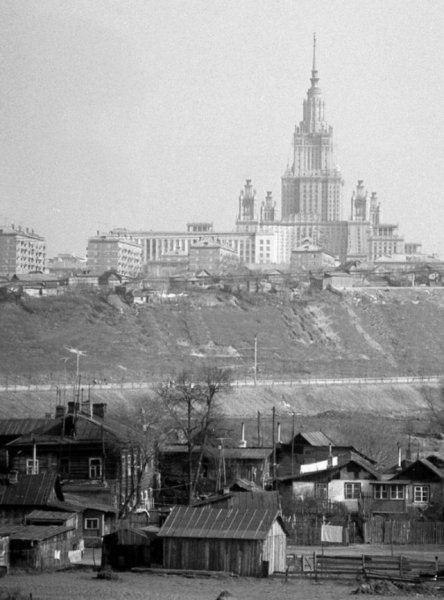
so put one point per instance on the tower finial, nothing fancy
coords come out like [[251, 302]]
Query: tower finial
[[314, 52], [314, 71]]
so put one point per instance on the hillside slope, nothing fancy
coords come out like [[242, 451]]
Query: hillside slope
[[376, 332]]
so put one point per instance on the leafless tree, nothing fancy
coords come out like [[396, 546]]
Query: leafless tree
[[191, 401]]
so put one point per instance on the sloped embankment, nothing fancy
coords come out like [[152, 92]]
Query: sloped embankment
[[362, 333]]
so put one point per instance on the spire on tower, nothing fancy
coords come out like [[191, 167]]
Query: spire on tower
[[314, 71]]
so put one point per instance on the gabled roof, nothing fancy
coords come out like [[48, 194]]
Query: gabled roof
[[30, 490], [334, 465], [421, 462], [207, 523], [313, 438]]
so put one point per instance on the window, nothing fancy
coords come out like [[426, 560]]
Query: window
[[32, 466], [92, 524], [352, 491], [397, 492], [321, 491], [385, 491], [421, 493], [95, 468]]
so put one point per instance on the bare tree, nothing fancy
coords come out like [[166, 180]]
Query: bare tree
[[142, 427], [190, 399]]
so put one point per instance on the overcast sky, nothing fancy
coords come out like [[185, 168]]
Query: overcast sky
[[147, 114]]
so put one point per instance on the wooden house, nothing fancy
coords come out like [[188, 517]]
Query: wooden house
[[89, 451], [339, 479], [220, 468], [308, 447], [251, 543], [21, 494], [417, 486]]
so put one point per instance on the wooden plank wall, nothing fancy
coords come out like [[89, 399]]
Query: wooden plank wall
[[243, 557]]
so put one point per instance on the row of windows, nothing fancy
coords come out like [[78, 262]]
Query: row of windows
[[353, 491], [94, 467]]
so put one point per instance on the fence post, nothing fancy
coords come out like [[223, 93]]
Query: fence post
[[401, 566], [315, 567]]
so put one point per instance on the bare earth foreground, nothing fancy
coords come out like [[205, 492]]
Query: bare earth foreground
[[83, 585]]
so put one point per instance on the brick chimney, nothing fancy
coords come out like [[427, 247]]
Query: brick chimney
[[59, 411], [99, 409]]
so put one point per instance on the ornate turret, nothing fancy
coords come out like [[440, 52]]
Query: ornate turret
[[247, 203], [359, 203], [267, 209]]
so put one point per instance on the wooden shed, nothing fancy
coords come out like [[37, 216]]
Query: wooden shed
[[40, 547], [129, 547], [245, 542]]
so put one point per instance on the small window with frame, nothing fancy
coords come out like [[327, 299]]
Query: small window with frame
[[95, 468], [92, 523]]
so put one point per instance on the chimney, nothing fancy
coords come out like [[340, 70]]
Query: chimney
[[399, 456], [243, 442], [73, 407], [99, 409], [59, 411]]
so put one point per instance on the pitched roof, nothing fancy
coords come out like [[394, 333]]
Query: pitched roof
[[30, 490], [33, 532], [189, 522], [404, 474], [12, 427], [314, 438], [243, 500], [228, 453], [49, 515], [335, 464]]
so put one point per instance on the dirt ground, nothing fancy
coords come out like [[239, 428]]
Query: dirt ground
[[82, 583]]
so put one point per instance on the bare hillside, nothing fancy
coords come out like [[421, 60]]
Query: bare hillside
[[376, 332]]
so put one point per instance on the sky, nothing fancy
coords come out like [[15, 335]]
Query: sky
[[149, 114]]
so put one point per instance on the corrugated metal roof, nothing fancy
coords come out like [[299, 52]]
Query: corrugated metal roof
[[316, 438], [228, 453], [209, 523], [240, 453], [30, 490], [49, 515], [11, 427], [243, 501]]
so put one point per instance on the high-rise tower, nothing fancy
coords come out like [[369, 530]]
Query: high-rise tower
[[311, 188]]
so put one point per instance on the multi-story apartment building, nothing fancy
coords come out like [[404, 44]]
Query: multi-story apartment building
[[21, 251], [110, 252], [212, 257]]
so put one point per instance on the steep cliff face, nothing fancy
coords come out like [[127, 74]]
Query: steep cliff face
[[372, 333]]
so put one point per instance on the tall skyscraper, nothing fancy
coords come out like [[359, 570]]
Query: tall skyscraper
[[311, 187]]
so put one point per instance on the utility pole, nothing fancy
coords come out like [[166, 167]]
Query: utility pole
[[274, 446], [255, 359]]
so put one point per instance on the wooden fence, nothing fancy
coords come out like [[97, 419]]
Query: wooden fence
[[372, 566], [380, 531]]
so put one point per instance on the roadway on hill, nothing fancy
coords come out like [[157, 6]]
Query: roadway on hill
[[140, 385]]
